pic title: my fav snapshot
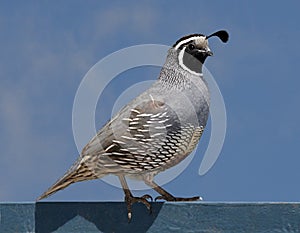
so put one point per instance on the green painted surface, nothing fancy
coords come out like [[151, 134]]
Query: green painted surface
[[62, 217]]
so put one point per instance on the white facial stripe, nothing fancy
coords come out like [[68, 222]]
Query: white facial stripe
[[198, 40], [180, 59]]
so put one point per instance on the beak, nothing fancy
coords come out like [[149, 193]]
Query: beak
[[209, 53], [206, 52]]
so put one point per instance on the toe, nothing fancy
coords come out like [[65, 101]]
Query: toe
[[146, 196], [171, 198]]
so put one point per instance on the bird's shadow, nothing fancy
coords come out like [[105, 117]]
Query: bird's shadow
[[106, 216]]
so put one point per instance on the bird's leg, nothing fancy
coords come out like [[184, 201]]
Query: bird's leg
[[166, 195], [130, 199]]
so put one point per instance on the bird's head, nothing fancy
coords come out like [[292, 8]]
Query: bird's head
[[192, 50]]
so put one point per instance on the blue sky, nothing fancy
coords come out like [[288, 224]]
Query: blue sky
[[48, 46]]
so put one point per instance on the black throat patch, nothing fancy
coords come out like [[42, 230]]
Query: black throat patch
[[192, 61]]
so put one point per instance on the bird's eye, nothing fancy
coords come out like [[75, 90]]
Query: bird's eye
[[191, 47]]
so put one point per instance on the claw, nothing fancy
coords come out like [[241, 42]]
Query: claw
[[129, 216]]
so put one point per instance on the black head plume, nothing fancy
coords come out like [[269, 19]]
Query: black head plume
[[222, 34]]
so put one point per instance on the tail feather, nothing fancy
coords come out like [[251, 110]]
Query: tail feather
[[75, 174]]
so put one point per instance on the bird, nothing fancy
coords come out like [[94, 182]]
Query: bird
[[156, 130]]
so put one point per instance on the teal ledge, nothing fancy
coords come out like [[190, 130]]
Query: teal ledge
[[62, 217]]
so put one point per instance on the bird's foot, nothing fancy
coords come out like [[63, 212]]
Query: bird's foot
[[130, 200], [172, 198]]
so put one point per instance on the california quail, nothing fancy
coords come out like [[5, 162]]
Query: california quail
[[156, 130]]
